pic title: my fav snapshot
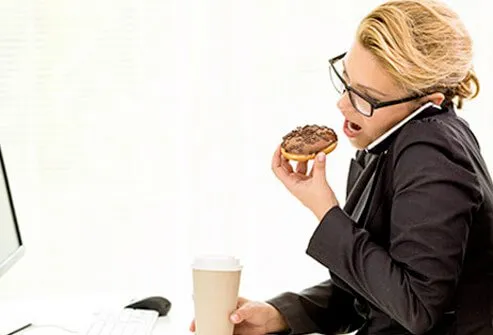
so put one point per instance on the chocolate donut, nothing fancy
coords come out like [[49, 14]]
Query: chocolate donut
[[303, 143]]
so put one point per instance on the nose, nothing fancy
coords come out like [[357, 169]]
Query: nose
[[344, 103]]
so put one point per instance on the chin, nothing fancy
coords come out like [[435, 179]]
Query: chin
[[359, 143]]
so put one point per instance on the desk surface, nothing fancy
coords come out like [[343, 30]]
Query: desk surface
[[73, 313]]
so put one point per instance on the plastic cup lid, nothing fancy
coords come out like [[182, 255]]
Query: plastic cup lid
[[216, 263]]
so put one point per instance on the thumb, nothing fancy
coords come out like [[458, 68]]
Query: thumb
[[319, 167], [241, 314]]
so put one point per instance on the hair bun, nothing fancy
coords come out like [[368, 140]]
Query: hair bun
[[468, 88]]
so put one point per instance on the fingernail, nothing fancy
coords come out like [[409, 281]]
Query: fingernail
[[235, 318], [321, 157]]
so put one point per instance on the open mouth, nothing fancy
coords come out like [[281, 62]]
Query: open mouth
[[353, 126], [351, 129]]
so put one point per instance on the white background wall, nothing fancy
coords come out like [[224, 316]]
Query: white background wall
[[139, 133]]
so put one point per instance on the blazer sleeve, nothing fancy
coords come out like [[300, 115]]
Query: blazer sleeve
[[324, 308], [435, 195]]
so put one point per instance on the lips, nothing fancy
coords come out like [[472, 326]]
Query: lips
[[351, 129]]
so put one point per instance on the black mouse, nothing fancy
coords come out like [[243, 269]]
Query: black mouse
[[158, 304]]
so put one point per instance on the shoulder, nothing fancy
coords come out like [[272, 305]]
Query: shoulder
[[441, 149], [447, 134]]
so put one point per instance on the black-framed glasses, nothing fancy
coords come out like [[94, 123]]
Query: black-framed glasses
[[363, 103]]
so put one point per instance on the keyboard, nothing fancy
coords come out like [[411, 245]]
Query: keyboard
[[124, 322]]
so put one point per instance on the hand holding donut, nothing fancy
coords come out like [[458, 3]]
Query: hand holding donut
[[310, 142]]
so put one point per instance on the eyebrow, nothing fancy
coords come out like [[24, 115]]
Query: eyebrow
[[363, 86]]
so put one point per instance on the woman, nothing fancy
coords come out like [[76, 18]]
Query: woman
[[412, 250]]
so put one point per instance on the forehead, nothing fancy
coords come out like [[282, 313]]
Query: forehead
[[363, 69]]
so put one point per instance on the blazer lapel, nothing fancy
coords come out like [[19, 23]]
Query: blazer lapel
[[362, 178], [356, 166]]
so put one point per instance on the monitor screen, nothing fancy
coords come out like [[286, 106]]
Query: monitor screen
[[11, 247]]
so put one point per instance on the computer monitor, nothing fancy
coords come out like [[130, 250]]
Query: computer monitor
[[11, 246]]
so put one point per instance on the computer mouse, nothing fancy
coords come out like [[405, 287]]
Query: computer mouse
[[158, 304]]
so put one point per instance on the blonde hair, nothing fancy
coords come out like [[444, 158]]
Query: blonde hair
[[424, 46]]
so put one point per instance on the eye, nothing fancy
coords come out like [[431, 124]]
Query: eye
[[369, 95], [365, 93], [345, 76]]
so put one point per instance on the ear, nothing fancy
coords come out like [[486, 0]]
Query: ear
[[437, 98]]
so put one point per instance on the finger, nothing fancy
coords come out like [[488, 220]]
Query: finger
[[301, 167], [243, 330], [286, 165], [241, 314], [319, 167], [241, 301], [192, 326], [246, 329], [276, 159], [280, 165]]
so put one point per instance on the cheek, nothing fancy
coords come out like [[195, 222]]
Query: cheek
[[385, 119], [374, 127], [371, 127]]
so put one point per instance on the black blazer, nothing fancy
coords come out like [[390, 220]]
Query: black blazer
[[418, 257]]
